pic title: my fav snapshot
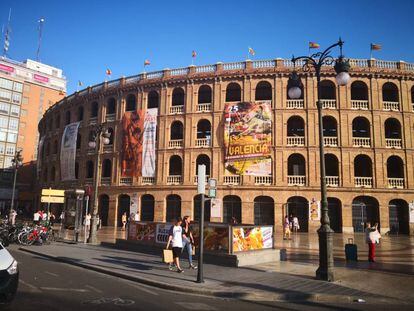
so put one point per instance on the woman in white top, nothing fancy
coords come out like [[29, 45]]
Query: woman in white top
[[296, 226], [176, 236]]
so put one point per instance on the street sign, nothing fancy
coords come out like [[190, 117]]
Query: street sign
[[212, 192], [49, 199], [212, 183], [53, 192], [201, 181]]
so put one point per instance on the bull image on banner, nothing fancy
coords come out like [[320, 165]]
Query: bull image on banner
[[248, 138], [149, 140], [68, 152]]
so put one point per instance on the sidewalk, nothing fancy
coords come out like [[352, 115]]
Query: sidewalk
[[284, 281]]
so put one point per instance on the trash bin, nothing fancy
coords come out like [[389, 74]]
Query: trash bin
[[351, 250]]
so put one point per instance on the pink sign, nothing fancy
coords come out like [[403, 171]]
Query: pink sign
[[6, 68], [40, 78]]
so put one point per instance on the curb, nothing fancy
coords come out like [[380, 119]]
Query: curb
[[244, 296]]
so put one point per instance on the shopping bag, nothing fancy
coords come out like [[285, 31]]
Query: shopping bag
[[167, 256], [193, 250]]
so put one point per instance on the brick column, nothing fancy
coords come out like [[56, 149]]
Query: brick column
[[384, 217], [347, 218], [113, 211]]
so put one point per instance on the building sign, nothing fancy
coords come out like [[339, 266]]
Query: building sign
[[149, 141], [6, 68], [314, 210], [248, 138], [252, 238], [68, 152], [40, 78]]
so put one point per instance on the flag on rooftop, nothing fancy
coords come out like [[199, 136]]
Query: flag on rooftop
[[376, 47], [80, 83], [251, 51], [108, 72], [147, 62], [314, 45], [194, 54]]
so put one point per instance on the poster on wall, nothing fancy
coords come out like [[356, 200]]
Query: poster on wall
[[252, 238], [411, 212], [162, 233], [149, 142], [142, 231], [248, 138], [39, 157], [68, 151], [215, 208], [314, 210], [133, 206]]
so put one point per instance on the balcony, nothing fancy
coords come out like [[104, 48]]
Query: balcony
[[203, 107], [332, 181], [393, 143], [296, 180], [110, 117], [176, 109], [174, 179], [108, 148], [296, 141], [328, 103], [147, 180], [175, 143], [295, 104], [365, 182], [330, 141], [361, 142], [202, 142], [396, 183], [359, 104], [391, 106], [125, 181], [196, 179], [263, 180], [93, 120], [232, 180], [105, 181]]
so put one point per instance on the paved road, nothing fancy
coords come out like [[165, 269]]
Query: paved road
[[49, 285]]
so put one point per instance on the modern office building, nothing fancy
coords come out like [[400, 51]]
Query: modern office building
[[206, 114]]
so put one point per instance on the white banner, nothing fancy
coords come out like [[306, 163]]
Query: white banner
[[68, 151], [215, 209], [314, 210], [133, 208], [411, 212], [148, 143], [39, 156]]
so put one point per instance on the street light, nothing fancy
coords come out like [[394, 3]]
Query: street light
[[17, 162], [325, 270], [100, 135]]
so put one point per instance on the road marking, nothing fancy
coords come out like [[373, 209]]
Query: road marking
[[79, 290], [32, 287], [94, 289], [51, 273], [195, 306], [144, 289]]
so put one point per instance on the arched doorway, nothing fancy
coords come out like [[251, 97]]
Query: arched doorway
[[399, 217], [173, 207], [103, 209], [364, 209], [232, 208], [124, 203], [299, 207], [197, 208], [147, 207], [264, 211], [335, 214]]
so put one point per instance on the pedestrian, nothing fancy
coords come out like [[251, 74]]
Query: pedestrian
[[233, 221], [188, 240], [124, 221], [41, 215], [13, 215], [36, 217], [52, 218], [176, 237], [286, 228], [291, 222], [88, 218], [62, 217], [296, 226], [372, 237]]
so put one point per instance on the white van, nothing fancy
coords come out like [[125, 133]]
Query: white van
[[9, 276]]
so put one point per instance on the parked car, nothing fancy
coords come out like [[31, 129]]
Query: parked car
[[9, 276]]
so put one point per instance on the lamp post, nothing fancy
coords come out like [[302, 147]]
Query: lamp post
[[17, 162], [325, 270], [100, 136]]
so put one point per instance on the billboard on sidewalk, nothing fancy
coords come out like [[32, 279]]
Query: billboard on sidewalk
[[248, 138], [68, 151], [252, 238]]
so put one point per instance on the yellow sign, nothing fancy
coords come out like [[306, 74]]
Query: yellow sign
[[48, 199], [54, 192]]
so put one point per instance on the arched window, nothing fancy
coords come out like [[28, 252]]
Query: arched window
[[364, 209], [131, 103], [94, 110], [153, 99], [395, 167], [362, 166], [399, 217], [111, 106], [173, 207], [204, 94], [232, 206], [176, 166], [197, 208], [327, 90], [147, 207], [359, 91], [78, 141], [103, 209], [204, 129], [335, 214], [176, 131], [264, 211], [331, 165], [124, 203], [361, 127], [296, 126], [67, 117], [390, 92], [55, 147], [80, 113], [296, 165], [233, 92], [89, 169], [329, 126], [178, 97], [203, 159], [106, 168], [76, 170], [263, 91], [392, 128], [299, 207]]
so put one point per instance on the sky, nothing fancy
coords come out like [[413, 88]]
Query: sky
[[84, 38]]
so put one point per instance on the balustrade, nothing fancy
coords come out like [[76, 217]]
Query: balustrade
[[203, 107], [359, 104], [328, 103], [332, 181], [363, 181], [175, 143], [231, 180], [396, 183], [391, 106], [295, 103], [125, 181], [296, 141], [202, 142], [361, 141], [296, 180], [177, 109], [330, 141], [174, 179], [393, 143], [263, 180]]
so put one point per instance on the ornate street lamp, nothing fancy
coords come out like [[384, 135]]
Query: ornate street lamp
[[100, 136], [315, 62], [17, 162]]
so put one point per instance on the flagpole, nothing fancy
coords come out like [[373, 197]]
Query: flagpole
[[370, 51]]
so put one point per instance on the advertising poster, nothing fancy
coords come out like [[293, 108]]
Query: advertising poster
[[39, 157], [149, 142], [215, 208], [216, 238], [411, 212], [314, 210], [133, 129], [162, 233], [68, 151], [248, 138], [133, 206], [142, 231], [253, 238]]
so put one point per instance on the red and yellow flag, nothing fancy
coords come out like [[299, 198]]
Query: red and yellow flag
[[193, 54], [108, 72], [376, 47], [147, 62], [314, 45]]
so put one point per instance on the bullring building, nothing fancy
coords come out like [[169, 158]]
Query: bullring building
[[260, 145]]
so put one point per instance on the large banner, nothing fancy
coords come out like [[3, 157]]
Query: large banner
[[314, 210], [248, 138], [68, 151], [247, 239], [39, 156], [149, 141]]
